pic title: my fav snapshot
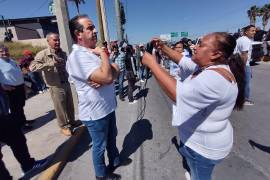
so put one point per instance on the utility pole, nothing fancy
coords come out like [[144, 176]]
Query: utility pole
[[120, 33], [100, 24], [104, 21], [62, 18]]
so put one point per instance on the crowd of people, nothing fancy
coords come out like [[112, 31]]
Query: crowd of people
[[206, 82]]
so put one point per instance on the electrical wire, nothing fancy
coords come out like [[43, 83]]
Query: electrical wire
[[143, 108]]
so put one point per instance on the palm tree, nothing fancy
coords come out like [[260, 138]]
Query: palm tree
[[252, 14], [265, 12], [77, 3]]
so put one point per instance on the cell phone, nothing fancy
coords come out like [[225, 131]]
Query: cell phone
[[149, 47]]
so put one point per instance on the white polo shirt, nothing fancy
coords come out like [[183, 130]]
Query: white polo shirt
[[10, 73], [244, 44], [94, 103], [203, 106]]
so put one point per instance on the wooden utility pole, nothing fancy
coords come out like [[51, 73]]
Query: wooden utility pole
[[62, 18], [100, 24], [120, 33], [104, 21]]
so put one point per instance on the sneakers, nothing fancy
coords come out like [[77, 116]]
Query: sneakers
[[38, 165], [187, 175], [133, 102], [110, 177], [66, 131], [248, 103]]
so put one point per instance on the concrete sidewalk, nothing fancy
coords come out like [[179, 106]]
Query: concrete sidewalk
[[148, 141], [44, 139]]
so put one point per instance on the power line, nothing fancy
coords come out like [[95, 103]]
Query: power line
[[41, 6]]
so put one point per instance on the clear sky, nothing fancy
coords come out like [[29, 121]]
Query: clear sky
[[148, 18]]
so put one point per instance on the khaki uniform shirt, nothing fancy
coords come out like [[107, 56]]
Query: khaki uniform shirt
[[45, 61]]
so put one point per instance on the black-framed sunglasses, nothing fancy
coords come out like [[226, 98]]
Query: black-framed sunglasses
[[91, 28]]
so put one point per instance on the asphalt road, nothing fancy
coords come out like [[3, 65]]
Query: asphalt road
[[148, 141]]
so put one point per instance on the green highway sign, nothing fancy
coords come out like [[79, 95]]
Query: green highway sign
[[174, 34], [184, 34]]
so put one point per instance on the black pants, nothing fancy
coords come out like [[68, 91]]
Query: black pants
[[11, 134], [131, 82], [16, 103]]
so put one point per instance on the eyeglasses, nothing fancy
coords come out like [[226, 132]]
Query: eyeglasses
[[91, 28]]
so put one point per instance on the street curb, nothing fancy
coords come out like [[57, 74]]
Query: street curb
[[58, 162]]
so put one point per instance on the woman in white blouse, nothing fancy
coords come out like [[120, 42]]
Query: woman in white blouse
[[211, 87]]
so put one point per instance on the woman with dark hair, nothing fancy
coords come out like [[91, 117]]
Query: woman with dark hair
[[204, 100], [130, 73]]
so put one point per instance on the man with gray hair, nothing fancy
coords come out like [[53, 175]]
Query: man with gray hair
[[51, 62]]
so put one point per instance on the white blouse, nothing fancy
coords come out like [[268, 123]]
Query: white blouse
[[203, 106]]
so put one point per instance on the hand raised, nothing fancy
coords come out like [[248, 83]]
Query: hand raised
[[97, 51], [148, 59], [157, 43]]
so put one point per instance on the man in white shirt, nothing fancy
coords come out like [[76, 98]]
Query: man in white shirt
[[244, 48], [12, 82], [93, 75]]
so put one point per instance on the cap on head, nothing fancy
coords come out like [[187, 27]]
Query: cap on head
[[27, 52]]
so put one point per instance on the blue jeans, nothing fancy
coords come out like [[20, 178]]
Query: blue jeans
[[143, 73], [201, 168], [121, 83], [247, 82], [103, 133], [36, 79]]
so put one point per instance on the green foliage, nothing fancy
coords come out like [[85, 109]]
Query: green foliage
[[16, 49], [263, 12]]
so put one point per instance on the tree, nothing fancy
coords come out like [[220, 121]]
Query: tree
[[77, 3], [265, 13], [252, 14]]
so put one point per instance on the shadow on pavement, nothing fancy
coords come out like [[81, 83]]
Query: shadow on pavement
[[41, 121], [142, 93], [139, 132], [63, 154], [83, 146], [259, 146]]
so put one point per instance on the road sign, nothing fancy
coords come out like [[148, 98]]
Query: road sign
[[174, 34], [184, 34]]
